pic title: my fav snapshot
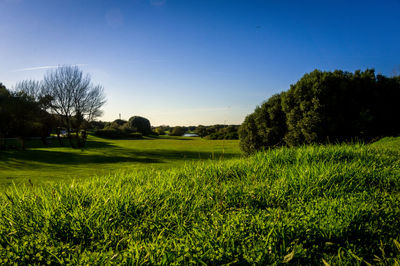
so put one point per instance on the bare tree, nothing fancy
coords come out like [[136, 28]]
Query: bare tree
[[74, 98], [31, 88]]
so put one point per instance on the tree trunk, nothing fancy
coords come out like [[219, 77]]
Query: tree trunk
[[78, 140], [44, 140], [59, 137], [22, 141], [84, 138], [68, 124], [70, 139]]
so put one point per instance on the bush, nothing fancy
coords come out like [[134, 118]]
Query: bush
[[177, 131], [140, 124], [325, 107], [265, 127], [223, 135], [217, 131], [119, 122], [159, 131]]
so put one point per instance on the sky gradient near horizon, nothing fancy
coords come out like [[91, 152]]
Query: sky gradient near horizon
[[186, 62]]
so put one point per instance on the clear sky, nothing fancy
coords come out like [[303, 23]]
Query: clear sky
[[184, 62]]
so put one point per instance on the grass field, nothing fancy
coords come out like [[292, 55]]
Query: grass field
[[103, 156], [337, 204]]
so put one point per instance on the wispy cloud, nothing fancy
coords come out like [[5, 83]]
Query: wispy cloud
[[40, 68]]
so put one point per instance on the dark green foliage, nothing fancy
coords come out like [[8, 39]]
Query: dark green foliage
[[119, 122], [116, 133], [23, 116], [4, 113], [326, 107], [227, 132], [308, 206], [159, 131], [250, 141], [266, 127], [97, 125], [3, 90], [177, 131], [217, 131], [201, 131], [140, 124], [340, 106]]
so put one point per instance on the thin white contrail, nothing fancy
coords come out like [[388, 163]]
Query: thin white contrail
[[41, 67]]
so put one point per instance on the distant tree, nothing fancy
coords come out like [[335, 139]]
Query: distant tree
[[25, 117], [191, 128], [97, 124], [140, 124], [159, 130], [75, 99], [33, 91], [31, 88], [177, 131], [201, 131], [119, 122]]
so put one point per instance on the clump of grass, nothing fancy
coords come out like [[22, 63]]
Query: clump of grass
[[308, 205]]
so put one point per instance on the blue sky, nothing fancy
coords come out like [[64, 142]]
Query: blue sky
[[183, 62]]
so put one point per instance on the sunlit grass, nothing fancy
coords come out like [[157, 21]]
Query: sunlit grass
[[337, 204], [103, 156]]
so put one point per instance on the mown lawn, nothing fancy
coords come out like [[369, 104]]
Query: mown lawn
[[104, 156], [312, 205]]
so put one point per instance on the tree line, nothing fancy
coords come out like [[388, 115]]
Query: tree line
[[138, 126], [65, 101], [324, 107]]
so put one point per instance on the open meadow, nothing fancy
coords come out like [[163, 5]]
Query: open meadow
[[101, 156], [333, 204]]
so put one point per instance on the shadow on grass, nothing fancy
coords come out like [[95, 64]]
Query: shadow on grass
[[174, 154], [102, 152], [71, 158], [116, 155], [53, 143]]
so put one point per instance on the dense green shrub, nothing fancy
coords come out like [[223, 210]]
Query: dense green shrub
[[177, 131], [23, 116], [229, 132], [119, 122], [266, 127], [326, 107], [140, 124], [159, 131], [217, 131], [95, 125]]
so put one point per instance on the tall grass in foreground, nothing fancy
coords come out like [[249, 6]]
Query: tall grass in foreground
[[334, 205]]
